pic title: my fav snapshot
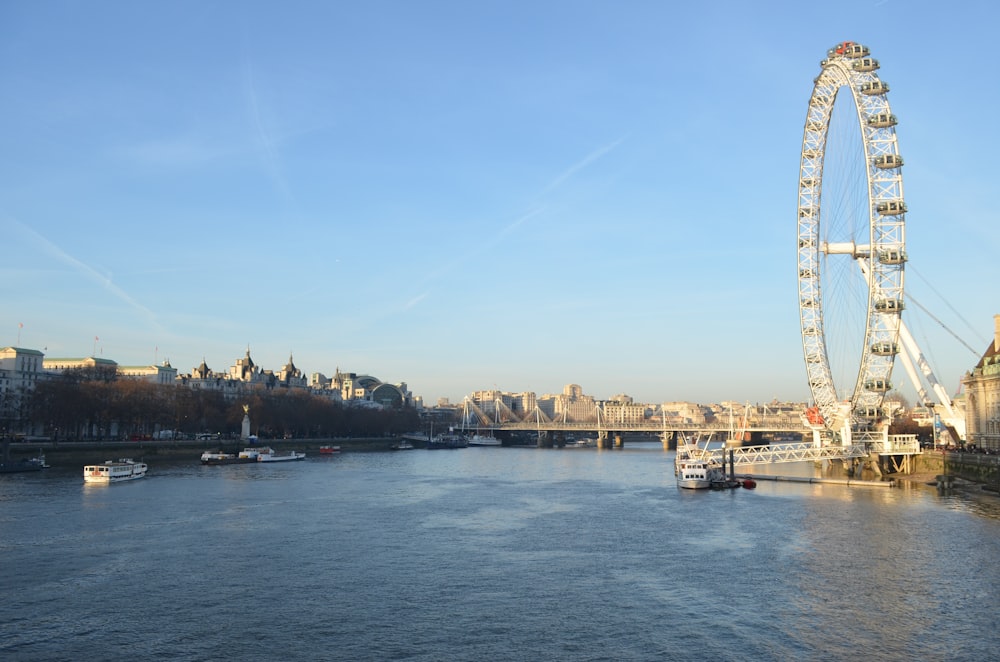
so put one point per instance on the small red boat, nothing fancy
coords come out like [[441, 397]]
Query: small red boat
[[329, 450]]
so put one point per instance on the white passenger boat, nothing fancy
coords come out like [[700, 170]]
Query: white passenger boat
[[114, 471], [695, 468], [268, 454], [484, 440]]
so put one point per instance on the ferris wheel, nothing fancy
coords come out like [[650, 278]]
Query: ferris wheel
[[851, 248]]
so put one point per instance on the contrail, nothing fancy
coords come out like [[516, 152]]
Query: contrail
[[85, 269], [510, 227], [583, 163]]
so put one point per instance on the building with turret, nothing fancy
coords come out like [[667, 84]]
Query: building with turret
[[982, 396]]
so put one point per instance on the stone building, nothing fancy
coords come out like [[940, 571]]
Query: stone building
[[982, 396], [162, 374], [20, 371]]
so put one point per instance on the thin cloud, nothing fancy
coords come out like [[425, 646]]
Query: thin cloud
[[415, 300], [92, 274], [264, 142], [170, 152]]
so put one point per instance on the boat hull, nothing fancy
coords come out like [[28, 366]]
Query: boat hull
[[22, 466], [447, 441], [268, 454], [693, 483], [282, 458]]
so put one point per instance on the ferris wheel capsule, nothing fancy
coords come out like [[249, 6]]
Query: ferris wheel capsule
[[848, 49], [882, 121], [886, 161], [874, 87], [865, 65]]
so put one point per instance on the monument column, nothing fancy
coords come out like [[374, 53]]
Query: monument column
[[245, 430]]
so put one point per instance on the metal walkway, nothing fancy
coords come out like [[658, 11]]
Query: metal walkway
[[802, 452]]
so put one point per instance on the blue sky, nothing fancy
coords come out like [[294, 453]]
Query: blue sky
[[469, 195]]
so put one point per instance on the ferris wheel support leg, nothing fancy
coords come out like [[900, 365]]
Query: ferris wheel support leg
[[846, 439]]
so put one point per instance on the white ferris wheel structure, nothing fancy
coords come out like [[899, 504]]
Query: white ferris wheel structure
[[852, 253]]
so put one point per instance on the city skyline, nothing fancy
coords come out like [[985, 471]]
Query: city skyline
[[490, 196]]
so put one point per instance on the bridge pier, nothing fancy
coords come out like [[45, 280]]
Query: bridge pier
[[602, 439], [619, 441], [544, 439]]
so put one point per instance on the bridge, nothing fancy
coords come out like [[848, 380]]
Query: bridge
[[754, 424], [743, 447]]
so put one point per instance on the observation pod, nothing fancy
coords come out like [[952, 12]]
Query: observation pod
[[866, 64], [885, 349], [886, 161], [808, 303], [891, 207], [810, 331], [889, 306], [806, 273], [878, 385], [892, 256], [882, 120], [848, 49], [871, 412], [807, 243], [873, 87]]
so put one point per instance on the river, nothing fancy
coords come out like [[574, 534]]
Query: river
[[489, 554]]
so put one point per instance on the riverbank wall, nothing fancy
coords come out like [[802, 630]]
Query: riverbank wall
[[89, 452], [975, 467]]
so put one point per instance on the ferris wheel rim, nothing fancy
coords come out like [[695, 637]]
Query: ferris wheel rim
[[848, 67]]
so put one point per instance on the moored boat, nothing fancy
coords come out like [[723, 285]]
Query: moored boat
[[695, 468], [23, 465], [447, 441], [483, 440], [403, 445], [329, 450], [114, 471], [222, 457], [268, 454]]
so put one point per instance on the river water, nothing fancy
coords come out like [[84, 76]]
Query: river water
[[489, 554]]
